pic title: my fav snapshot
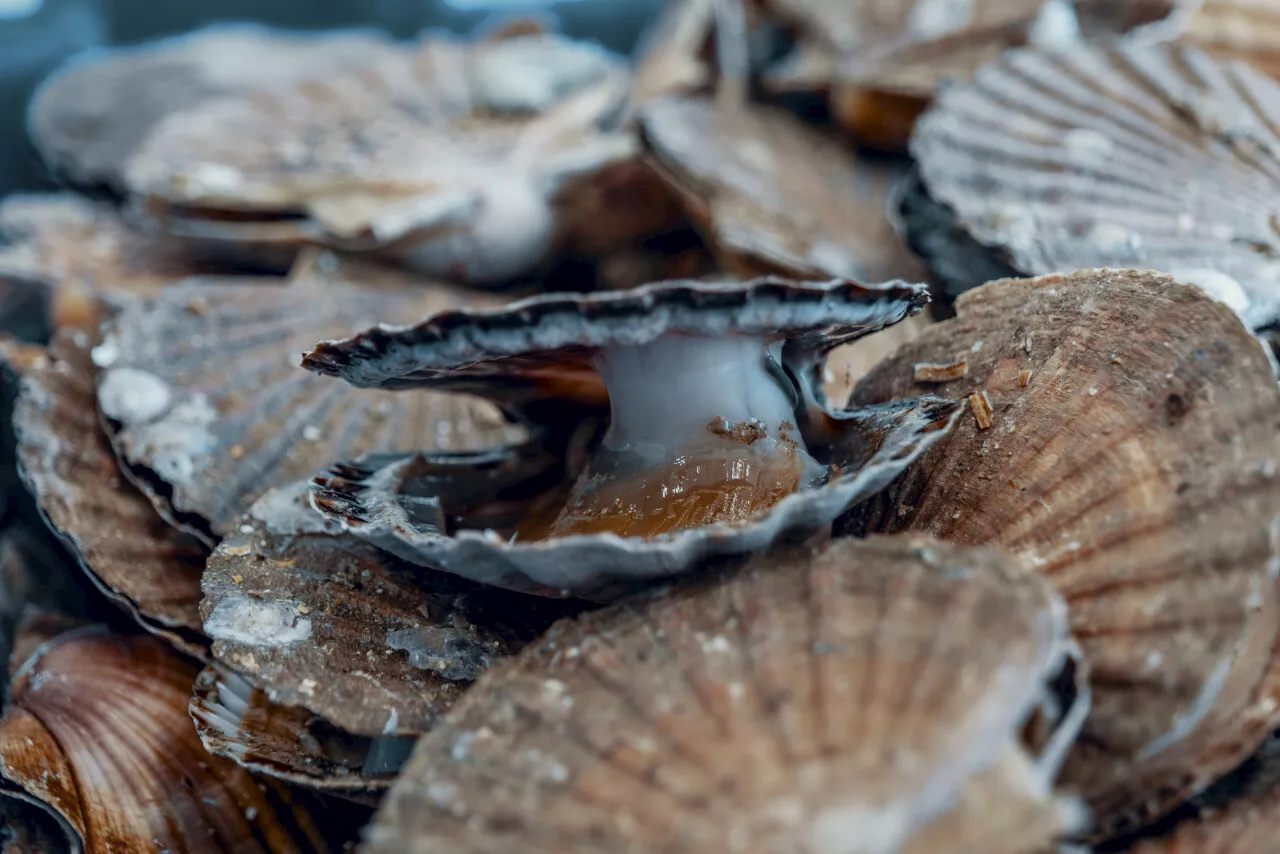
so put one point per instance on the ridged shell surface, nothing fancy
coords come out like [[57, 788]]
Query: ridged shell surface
[[97, 729], [67, 463], [1133, 156], [324, 621], [446, 156], [1123, 440], [1248, 30], [207, 401], [769, 710], [237, 721], [775, 196], [89, 117]]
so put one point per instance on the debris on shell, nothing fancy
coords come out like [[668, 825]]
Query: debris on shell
[[1143, 156], [89, 117], [237, 721], [936, 372], [741, 350], [673, 56], [209, 410], [720, 716], [326, 622], [445, 156], [97, 729], [68, 464], [1137, 471], [774, 196]]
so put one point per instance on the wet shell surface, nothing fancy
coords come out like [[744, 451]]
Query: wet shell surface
[[67, 463], [1122, 439], [1136, 156], [536, 356], [93, 113], [239, 722], [445, 156], [97, 730], [208, 406], [721, 717], [325, 621], [774, 196]]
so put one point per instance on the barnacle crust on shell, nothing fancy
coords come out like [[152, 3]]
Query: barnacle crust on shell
[[713, 344], [1131, 456], [763, 710]]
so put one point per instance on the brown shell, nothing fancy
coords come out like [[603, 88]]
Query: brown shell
[[329, 623], [723, 717], [70, 468], [1248, 30], [774, 196], [1136, 156], [446, 155], [97, 728], [1123, 440], [208, 404], [94, 112], [239, 722]]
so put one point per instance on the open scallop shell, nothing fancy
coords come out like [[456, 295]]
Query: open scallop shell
[[94, 112], [1124, 441], [534, 356], [207, 402], [239, 722], [1133, 156], [71, 470], [325, 621], [771, 709], [97, 730], [774, 196], [446, 156]]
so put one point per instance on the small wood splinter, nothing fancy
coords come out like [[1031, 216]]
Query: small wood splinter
[[928, 372], [982, 412]]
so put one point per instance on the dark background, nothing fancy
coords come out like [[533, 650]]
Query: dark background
[[34, 43]]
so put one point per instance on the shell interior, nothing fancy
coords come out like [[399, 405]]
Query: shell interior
[[713, 426]]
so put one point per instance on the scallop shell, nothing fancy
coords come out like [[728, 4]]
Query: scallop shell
[[719, 717], [67, 463], [208, 405], [1237, 29], [239, 722], [534, 356], [97, 730], [772, 195], [1143, 156], [327, 622], [446, 156], [95, 111], [1129, 451]]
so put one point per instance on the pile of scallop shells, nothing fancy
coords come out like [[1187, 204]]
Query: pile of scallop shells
[[341, 509]]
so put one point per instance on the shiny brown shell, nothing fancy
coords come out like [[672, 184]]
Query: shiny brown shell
[[534, 357], [445, 156], [97, 729], [89, 117], [67, 463], [209, 409], [1132, 156], [1123, 439], [774, 196], [327, 622], [771, 709]]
